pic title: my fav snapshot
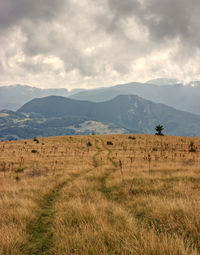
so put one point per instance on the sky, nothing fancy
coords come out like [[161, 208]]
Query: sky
[[92, 43]]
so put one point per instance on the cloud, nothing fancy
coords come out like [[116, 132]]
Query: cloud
[[13, 12], [92, 43]]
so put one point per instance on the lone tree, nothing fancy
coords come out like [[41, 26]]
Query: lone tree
[[159, 129]]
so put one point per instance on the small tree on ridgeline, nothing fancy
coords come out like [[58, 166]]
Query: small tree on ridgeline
[[159, 129]]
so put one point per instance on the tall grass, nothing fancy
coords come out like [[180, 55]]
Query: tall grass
[[111, 199]]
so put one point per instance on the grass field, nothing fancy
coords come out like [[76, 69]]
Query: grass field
[[100, 195]]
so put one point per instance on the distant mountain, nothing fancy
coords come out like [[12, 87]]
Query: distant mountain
[[54, 106], [179, 96], [13, 97], [134, 114], [185, 98]]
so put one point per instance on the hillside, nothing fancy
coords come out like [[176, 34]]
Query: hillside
[[185, 98], [129, 111], [108, 194], [15, 125]]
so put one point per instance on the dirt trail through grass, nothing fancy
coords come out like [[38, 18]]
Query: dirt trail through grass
[[40, 230], [111, 168]]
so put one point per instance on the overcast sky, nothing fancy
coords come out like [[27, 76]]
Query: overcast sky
[[91, 43]]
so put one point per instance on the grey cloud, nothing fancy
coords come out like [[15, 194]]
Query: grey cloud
[[169, 19], [103, 38], [124, 8], [14, 11], [116, 11], [35, 68], [37, 40], [55, 43], [74, 60]]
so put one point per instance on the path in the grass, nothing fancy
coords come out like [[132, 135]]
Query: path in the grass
[[111, 168], [40, 230]]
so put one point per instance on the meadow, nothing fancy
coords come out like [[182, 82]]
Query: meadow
[[100, 195]]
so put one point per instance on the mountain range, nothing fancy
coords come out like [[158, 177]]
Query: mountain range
[[185, 98], [56, 115], [164, 91]]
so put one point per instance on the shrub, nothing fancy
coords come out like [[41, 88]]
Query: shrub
[[191, 147], [89, 144], [159, 129], [36, 140], [132, 137], [109, 143], [34, 151], [19, 170]]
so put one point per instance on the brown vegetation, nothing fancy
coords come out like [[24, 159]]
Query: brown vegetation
[[139, 196]]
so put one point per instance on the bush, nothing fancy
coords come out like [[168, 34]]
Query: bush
[[19, 170], [159, 129], [36, 140], [89, 144], [34, 151], [132, 137], [109, 143], [191, 147]]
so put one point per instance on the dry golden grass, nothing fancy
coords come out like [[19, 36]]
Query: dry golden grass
[[138, 196]]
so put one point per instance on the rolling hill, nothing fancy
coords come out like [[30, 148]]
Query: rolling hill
[[130, 112]]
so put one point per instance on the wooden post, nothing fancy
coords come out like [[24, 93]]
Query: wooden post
[[149, 160], [120, 168]]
